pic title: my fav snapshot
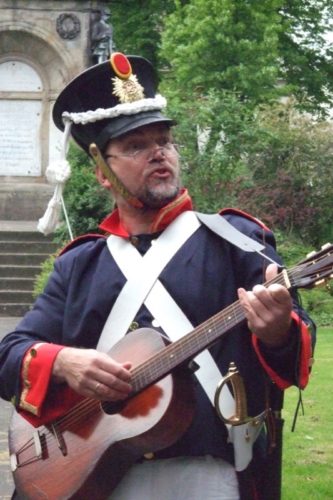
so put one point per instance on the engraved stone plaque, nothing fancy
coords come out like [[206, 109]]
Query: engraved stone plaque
[[19, 77], [20, 137]]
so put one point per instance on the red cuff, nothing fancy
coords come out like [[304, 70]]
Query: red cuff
[[305, 359], [40, 402]]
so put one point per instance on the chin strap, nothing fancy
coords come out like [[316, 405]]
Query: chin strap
[[110, 175]]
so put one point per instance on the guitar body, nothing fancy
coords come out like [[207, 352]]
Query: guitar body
[[85, 453]]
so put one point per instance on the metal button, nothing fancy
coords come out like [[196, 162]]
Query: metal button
[[134, 240], [133, 326]]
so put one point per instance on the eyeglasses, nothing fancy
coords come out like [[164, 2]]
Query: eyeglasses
[[143, 150]]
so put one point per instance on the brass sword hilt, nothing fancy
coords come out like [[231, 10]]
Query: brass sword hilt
[[240, 416]]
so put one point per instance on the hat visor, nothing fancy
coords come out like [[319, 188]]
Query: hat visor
[[124, 124]]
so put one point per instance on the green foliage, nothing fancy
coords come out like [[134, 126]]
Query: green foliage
[[138, 25], [249, 47], [43, 276], [225, 59], [273, 161], [223, 45], [211, 160], [305, 54], [87, 203], [319, 304], [291, 167]]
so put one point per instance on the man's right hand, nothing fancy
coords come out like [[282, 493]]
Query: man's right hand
[[92, 374]]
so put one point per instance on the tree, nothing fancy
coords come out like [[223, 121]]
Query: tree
[[225, 45], [137, 26], [291, 169], [260, 49], [306, 56]]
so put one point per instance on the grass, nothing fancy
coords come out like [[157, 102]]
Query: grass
[[308, 452]]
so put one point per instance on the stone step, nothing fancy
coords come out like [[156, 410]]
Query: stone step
[[16, 297], [17, 283], [22, 251], [22, 271], [24, 201], [13, 310], [14, 235], [10, 246], [10, 259]]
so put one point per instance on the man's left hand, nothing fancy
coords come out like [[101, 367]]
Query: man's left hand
[[268, 310]]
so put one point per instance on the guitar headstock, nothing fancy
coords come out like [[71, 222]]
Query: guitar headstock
[[314, 270]]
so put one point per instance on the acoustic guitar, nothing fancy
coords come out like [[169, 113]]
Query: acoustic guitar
[[85, 453]]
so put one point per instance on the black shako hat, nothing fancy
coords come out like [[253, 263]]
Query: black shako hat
[[109, 100]]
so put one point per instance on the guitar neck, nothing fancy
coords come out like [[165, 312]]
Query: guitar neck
[[186, 348]]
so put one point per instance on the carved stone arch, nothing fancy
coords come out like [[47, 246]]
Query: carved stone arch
[[34, 43]]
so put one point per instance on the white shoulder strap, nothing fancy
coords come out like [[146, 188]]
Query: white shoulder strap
[[142, 275], [220, 226]]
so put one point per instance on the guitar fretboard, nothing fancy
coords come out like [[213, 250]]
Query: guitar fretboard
[[186, 348]]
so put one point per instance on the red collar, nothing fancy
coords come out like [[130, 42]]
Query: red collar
[[163, 218]]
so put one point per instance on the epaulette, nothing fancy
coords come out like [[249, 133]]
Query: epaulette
[[85, 238], [241, 213]]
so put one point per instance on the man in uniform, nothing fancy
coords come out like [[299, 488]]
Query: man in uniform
[[160, 267]]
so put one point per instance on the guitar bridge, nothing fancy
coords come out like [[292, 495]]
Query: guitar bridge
[[25, 455]]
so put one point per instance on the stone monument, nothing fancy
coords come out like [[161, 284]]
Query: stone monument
[[43, 45]]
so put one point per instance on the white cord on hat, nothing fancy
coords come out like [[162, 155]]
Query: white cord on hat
[[129, 108], [57, 174]]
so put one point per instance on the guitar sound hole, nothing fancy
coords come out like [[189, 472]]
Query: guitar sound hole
[[111, 408]]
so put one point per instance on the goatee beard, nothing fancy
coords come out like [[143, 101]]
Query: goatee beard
[[153, 199]]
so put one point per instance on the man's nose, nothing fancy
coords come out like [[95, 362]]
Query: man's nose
[[156, 151]]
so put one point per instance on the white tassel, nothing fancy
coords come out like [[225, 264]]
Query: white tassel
[[57, 174], [48, 223]]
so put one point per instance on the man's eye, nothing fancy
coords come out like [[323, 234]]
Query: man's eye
[[135, 146], [164, 141]]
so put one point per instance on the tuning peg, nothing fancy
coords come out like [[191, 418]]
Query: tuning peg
[[311, 254], [326, 245]]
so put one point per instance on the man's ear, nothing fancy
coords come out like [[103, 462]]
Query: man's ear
[[103, 181]]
